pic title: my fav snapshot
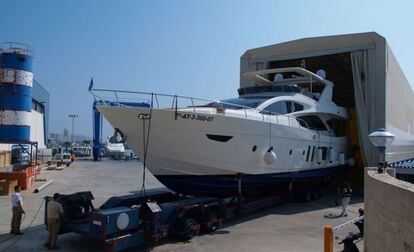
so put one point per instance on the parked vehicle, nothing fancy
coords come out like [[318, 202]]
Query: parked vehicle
[[82, 151], [60, 159], [45, 155], [129, 154], [20, 154]]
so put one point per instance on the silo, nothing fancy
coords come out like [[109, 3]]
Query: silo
[[16, 80]]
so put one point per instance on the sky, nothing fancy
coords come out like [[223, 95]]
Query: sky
[[189, 48]]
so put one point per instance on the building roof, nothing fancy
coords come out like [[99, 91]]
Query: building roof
[[316, 46]]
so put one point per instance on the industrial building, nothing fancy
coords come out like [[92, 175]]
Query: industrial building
[[29, 99]]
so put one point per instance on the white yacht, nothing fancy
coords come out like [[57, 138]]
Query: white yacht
[[115, 150], [279, 130]]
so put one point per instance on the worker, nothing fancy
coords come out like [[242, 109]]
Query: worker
[[346, 198], [17, 207], [54, 215]]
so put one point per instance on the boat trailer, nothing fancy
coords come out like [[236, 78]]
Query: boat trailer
[[128, 221]]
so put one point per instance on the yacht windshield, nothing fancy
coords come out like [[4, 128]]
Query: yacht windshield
[[237, 103]]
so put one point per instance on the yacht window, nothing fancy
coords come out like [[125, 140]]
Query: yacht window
[[312, 122], [297, 107], [280, 107], [283, 107], [237, 103]]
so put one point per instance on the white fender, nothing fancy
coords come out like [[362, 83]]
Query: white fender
[[319, 155], [269, 156], [341, 158], [331, 155]]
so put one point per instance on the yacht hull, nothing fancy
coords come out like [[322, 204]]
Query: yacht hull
[[227, 185], [201, 154]]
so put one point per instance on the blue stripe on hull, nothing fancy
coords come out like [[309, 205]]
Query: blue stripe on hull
[[227, 185], [16, 61], [14, 134]]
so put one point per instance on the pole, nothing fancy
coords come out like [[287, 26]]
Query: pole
[[73, 129], [73, 116], [382, 163], [328, 239]]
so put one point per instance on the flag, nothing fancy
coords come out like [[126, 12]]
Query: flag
[[91, 85]]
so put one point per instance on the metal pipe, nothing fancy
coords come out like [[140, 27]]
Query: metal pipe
[[43, 186], [343, 225]]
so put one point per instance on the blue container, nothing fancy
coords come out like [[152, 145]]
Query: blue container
[[16, 79]]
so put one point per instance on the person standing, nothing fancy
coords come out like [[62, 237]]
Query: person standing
[[346, 198], [17, 208], [54, 215]]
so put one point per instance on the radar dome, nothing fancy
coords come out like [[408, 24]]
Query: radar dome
[[278, 77], [321, 73]]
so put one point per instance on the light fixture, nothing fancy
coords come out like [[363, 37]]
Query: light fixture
[[381, 139]]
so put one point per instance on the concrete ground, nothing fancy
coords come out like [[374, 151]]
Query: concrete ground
[[286, 227]]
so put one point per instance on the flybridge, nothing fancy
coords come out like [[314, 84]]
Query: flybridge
[[289, 80], [276, 89]]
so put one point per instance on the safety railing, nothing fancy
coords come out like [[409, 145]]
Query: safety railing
[[330, 231], [19, 48], [176, 102]]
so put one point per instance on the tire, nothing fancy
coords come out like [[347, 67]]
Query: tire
[[67, 165], [212, 225], [308, 195], [48, 163], [322, 192], [186, 228], [58, 164], [314, 193]]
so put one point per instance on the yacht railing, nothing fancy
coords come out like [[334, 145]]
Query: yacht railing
[[154, 101]]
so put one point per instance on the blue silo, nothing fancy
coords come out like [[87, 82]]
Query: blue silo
[[16, 81]]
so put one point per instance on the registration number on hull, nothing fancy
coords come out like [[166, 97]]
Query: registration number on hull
[[195, 117]]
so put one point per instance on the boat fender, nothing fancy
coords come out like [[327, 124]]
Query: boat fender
[[319, 155], [341, 158], [331, 155], [269, 156]]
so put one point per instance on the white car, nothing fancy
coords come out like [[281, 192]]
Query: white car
[[61, 158]]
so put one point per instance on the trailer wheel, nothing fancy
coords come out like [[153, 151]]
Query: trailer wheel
[[186, 227], [212, 223], [314, 193], [308, 195], [322, 191]]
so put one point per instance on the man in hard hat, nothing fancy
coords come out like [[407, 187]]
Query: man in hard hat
[[17, 207], [54, 215]]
